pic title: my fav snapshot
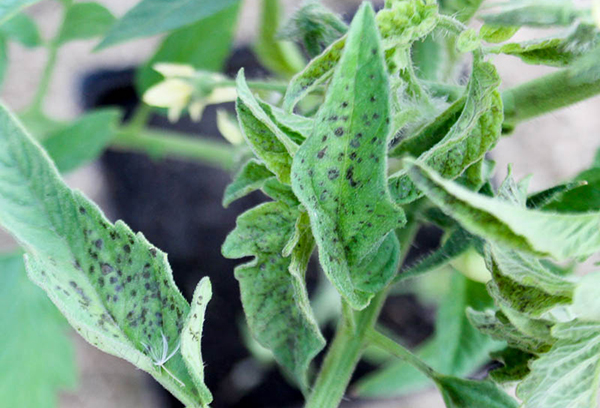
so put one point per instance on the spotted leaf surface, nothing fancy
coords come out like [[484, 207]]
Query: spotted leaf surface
[[113, 286], [474, 133], [339, 172], [191, 337], [537, 233], [275, 300], [568, 376]]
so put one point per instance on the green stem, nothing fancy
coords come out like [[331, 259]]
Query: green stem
[[385, 343], [167, 143], [550, 92], [350, 342], [257, 85]]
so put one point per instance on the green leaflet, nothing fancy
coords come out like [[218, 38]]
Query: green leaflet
[[113, 286], [524, 284], [497, 34], [272, 286], [516, 365], [339, 172], [33, 372], [474, 133], [297, 127], [8, 8], [568, 376], [251, 177], [464, 348], [534, 13], [205, 45], [539, 233], [499, 327], [280, 192], [554, 51], [546, 198], [280, 57], [82, 141], [460, 393], [586, 302], [23, 29], [268, 141], [150, 17], [191, 336], [84, 21], [463, 10], [403, 22], [314, 74]]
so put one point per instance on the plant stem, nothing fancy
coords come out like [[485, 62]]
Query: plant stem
[[257, 85], [385, 343], [168, 143], [349, 342], [550, 92]]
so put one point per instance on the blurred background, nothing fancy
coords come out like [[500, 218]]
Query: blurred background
[[177, 205]]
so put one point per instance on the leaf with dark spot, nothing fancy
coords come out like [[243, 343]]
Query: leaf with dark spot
[[345, 190]]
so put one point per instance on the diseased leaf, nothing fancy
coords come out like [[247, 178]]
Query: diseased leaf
[[539, 233], [460, 393], [533, 13], [554, 51], [23, 29], [339, 172], [150, 17], [297, 127], [205, 45], [280, 192], [84, 21], [280, 57], [27, 317], [464, 348], [273, 295], [317, 71], [497, 325], [568, 376], [82, 141], [191, 336], [113, 286], [474, 133], [9, 8], [251, 177]]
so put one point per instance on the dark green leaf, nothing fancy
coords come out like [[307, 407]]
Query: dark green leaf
[[251, 177], [82, 141], [474, 133], [546, 197], [339, 171], [37, 354], [540, 233], [515, 365], [459, 393], [113, 286], [272, 286], [150, 17], [205, 45], [84, 21], [23, 29]]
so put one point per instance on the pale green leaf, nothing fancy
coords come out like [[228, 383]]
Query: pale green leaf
[[339, 171], [82, 141], [297, 127], [568, 376], [554, 51], [280, 192], [280, 57], [403, 22], [475, 132], [586, 302], [113, 286], [34, 371], [463, 10], [23, 29], [191, 337], [84, 21], [540, 233], [251, 177], [205, 45], [8, 8], [533, 13], [460, 393], [150, 17], [497, 34], [273, 295]]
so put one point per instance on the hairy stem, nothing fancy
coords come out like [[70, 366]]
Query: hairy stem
[[172, 144], [349, 343]]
